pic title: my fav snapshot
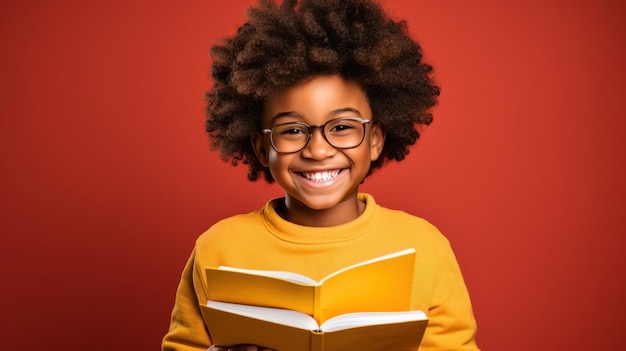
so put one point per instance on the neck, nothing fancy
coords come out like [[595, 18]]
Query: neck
[[296, 212]]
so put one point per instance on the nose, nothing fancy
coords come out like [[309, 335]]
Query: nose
[[318, 148]]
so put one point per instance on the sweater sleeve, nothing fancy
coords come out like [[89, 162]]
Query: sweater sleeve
[[187, 330], [451, 323]]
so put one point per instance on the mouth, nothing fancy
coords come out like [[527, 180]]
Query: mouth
[[322, 176]]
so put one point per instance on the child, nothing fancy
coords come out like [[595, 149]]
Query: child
[[314, 95]]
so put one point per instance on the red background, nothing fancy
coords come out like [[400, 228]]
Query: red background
[[107, 178]]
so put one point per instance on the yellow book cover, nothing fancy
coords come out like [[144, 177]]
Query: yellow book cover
[[288, 330], [380, 284]]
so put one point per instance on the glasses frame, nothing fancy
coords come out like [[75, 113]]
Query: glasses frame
[[310, 128]]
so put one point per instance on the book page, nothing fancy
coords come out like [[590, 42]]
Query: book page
[[274, 315], [290, 276], [302, 279], [359, 319], [364, 263]]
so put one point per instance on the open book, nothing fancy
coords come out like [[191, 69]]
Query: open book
[[380, 284], [288, 330], [364, 306]]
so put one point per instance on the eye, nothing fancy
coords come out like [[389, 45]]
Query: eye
[[291, 131], [343, 126]]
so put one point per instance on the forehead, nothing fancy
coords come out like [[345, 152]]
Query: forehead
[[315, 100]]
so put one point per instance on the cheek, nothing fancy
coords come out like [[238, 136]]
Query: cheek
[[273, 158], [278, 163], [361, 157]]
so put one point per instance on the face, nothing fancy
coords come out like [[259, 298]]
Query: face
[[321, 182]]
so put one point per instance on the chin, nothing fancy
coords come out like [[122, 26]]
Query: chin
[[322, 203]]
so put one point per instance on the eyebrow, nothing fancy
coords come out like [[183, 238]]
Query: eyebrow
[[332, 113]]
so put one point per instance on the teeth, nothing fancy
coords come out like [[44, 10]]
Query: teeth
[[321, 176]]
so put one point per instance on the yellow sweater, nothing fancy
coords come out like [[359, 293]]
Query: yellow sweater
[[263, 240]]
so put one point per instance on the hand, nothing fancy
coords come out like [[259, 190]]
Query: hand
[[239, 348]]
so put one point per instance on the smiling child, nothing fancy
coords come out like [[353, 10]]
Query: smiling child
[[315, 95]]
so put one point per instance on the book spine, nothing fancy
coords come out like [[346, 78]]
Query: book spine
[[317, 340], [317, 305]]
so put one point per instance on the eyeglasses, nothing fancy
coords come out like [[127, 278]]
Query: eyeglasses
[[340, 133]]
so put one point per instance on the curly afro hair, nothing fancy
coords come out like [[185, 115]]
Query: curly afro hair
[[283, 44]]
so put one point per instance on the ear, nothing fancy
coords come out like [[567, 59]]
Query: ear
[[261, 148], [377, 141]]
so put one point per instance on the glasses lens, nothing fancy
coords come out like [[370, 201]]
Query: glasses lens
[[290, 137], [344, 133]]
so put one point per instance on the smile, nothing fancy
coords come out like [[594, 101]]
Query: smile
[[321, 176]]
